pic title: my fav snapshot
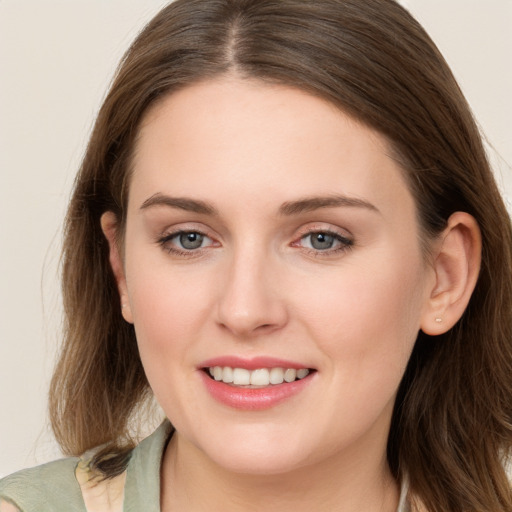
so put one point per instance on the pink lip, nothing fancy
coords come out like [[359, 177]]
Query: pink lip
[[251, 364], [252, 399]]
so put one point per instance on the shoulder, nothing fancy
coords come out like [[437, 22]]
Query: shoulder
[[64, 485], [142, 490], [44, 487], [70, 485]]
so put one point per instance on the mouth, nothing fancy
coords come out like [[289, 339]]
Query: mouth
[[257, 378], [257, 383]]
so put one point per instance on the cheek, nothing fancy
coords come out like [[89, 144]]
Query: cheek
[[168, 307], [366, 316], [169, 314]]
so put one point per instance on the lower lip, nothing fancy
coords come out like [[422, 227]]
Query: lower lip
[[253, 399]]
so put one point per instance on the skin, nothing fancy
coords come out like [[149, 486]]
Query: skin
[[257, 286]]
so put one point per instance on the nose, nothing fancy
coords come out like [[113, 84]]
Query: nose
[[250, 301]]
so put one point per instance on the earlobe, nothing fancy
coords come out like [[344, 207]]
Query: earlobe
[[456, 264], [109, 225]]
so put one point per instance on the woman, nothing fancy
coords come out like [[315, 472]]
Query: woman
[[286, 229]]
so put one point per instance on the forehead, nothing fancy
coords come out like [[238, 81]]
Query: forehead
[[243, 138]]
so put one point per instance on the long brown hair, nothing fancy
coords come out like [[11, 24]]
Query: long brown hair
[[452, 424]]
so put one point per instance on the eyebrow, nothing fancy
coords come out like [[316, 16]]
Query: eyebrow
[[181, 203], [289, 208], [309, 204]]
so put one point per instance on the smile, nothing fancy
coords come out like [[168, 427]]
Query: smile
[[257, 377], [256, 383]]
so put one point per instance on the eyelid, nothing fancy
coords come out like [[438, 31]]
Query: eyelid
[[185, 227], [322, 227]]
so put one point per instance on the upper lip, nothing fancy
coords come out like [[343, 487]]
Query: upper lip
[[252, 363]]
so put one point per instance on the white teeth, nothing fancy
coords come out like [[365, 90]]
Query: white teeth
[[276, 376], [259, 377], [217, 373], [303, 372], [227, 375], [241, 376], [290, 375]]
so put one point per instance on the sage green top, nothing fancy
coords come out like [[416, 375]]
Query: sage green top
[[67, 485], [64, 485]]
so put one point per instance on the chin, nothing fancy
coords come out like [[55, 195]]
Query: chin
[[256, 453], [278, 462]]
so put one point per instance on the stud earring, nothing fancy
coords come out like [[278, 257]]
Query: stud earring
[[439, 319], [123, 306]]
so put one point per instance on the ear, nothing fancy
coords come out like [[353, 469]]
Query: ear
[[456, 264], [109, 225]]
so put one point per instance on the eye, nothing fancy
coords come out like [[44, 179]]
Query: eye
[[320, 241], [189, 240], [183, 242], [325, 241]]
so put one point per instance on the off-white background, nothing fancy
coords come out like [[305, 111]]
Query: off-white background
[[56, 59]]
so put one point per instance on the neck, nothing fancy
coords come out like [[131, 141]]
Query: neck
[[192, 482]]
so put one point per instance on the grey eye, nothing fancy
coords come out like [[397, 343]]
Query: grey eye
[[321, 241], [191, 240]]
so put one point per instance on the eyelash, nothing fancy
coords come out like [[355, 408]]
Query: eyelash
[[345, 243]]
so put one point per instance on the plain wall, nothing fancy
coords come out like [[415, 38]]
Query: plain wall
[[56, 60]]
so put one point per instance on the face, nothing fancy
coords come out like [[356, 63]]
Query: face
[[271, 238]]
